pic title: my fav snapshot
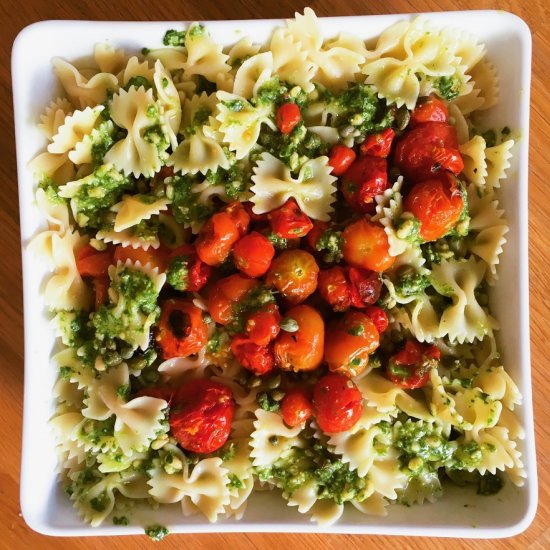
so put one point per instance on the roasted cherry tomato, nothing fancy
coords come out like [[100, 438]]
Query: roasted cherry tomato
[[181, 330], [364, 179], [201, 414], [296, 406], [251, 356], [410, 367], [101, 290], [379, 318], [252, 254], [301, 350], [263, 326], [334, 287], [429, 148], [312, 238], [378, 145], [437, 203], [429, 109], [294, 274], [157, 258], [340, 158], [194, 272], [287, 117], [349, 342], [216, 239], [93, 263], [226, 294], [289, 221], [365, 286], [160, 392], [240, 216], [337, 403], [366, 246]]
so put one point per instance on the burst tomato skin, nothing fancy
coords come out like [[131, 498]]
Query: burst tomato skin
[[251, 356], [379, 318], [301, 350], [429, 148], [363, 180], [437, 203], [216, 238], [238, 212], [349, 342], [181, 330], [93, 263], [365, 286], [337, 402], [334, 287], [294, 274], [410, 367], [252, 254], [378, 145], [201, 415], [296, 406], [157, 258], [225, 295], [366, 246], [340, 158], [262, 326], [429, 109], [289, 221], [287, 117], [101, 290]]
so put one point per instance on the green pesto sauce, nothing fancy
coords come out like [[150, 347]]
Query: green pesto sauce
[[447, 87], [254, 300], [267, 403], [185, 206], [330, 244], [489, 484], [156, 532], [138, 82], [174, 38], [235, 482], [411, 284], [235, 180], [120, 520], [177, 273]]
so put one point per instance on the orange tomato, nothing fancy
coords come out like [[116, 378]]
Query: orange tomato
[[240, 216], [93, 263], [301, 350], [101, 290], [216, 238], [296, 406], [294, 274], [157, 258], [253, 254], [366, 246], [349, 342], [226, 294]]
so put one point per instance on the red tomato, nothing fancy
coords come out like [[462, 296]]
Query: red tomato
[[101, 290], [251, 356], [378, 145], [287, 117], [334, 287], [201, 415], [365, 286], [429, 109], [312, 238], [160, 392], [301, 350], [181, 330], [263, 326], [92, 263], [429, 148], [296, 406], [364, 179], [216, 238], [379, 318], [366, 246], [198, 272], [252, 254], [349, 342], [157, 258], [337, 402], [437, 203], [294, 274], [225, 295], [410, 367], [239, 215], [340, 158], [289, 221]]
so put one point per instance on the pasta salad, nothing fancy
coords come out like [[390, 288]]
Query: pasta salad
[[270, 271]]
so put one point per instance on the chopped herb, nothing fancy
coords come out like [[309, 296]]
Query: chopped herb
[[156, 532], [267, 403], [120, 520], [174, 38]]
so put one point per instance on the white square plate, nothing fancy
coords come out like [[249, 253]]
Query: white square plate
[[460, 513]]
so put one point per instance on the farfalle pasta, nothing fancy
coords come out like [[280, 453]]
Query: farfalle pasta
[[243, 237]]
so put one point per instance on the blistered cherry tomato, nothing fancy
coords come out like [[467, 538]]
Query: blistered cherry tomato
[[365, 286], [429, 109], [252, 254], [349, 342], [301, 350], [312, 238], [287, 117], [379, 318], [337, 402], [410, 367], [101, 290], [201, 415], [378, 145], [340, 158], [364, 179], [289, 221], [296, 406], [93, 263], [181, 330], [334, 287], [430, 148], [294, 274], [156, 258], [437, 203], [195, 273], [263, 326], [251, 356], [160, 392], [366, 246], [225, 295], [240, 216], [216, 239]]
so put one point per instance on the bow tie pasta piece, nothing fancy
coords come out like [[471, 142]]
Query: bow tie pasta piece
[[169, 103], [56, 213], [136, 208], [54, 116], [324, 512], [241, 51], [252, 74], [497, 383], [313, 189], [305, 30], [137, 73], [109, 59]]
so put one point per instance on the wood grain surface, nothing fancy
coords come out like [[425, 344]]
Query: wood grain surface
[[14, 15]]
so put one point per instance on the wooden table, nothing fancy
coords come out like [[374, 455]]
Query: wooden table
[[14, 533]]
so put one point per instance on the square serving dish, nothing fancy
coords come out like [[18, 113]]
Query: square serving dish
[[459, 513]]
